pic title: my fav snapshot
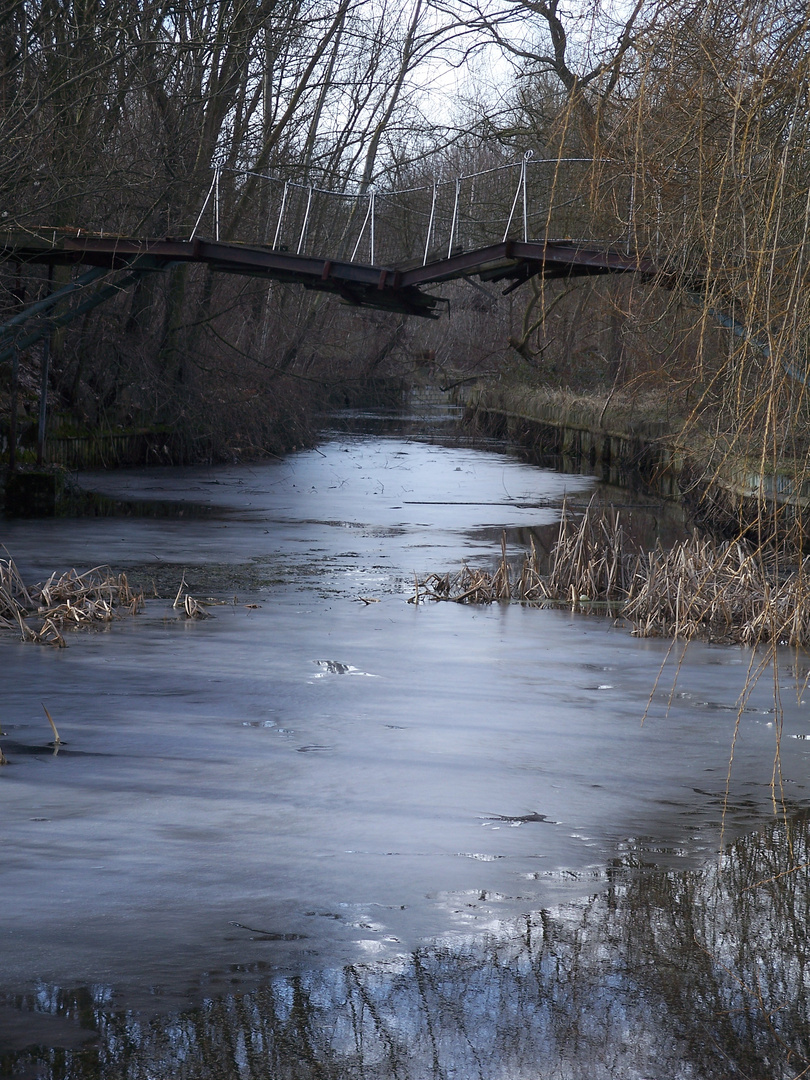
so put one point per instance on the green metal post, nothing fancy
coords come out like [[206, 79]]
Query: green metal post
[[43, 397], [12, 428]]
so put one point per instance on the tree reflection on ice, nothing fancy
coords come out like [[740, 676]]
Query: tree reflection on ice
[[691, 973]]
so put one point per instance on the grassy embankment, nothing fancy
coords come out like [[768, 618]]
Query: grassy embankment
[[732, 486]]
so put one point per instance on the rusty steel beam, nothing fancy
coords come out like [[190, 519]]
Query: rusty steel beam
[[552, 258], [354, 283], [386, 288]]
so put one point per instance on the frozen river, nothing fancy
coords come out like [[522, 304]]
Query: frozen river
[[324, 779]]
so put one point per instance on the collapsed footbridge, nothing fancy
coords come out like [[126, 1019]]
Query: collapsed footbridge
[[388, 250]]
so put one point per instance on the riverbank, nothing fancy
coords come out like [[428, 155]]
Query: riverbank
[[644, 440]]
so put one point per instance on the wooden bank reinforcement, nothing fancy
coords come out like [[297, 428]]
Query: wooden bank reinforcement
[[630, 444]]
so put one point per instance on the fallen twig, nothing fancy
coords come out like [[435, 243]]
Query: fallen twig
[[56, 739]]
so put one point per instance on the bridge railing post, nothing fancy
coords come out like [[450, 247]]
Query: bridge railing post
[[216, 203], [454, 221], [431, 220], [372, 196], [528, 155], [204, 205], [362, 227], [281, 214], [303, 236], [520, 186]]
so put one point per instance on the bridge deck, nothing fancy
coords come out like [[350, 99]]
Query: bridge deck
[[390, 288]]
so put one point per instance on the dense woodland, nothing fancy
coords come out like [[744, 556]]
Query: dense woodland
[[115, 112]]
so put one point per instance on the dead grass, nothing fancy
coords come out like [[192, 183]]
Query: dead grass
[[43, 611], [700, 588], [193, 609]]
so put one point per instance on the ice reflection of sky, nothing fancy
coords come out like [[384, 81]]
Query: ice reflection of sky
[[415, 505]]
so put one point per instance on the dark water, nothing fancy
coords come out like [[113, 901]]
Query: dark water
[[314, 836]]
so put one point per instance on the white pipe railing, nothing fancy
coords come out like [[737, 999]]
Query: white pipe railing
[[483, 191]]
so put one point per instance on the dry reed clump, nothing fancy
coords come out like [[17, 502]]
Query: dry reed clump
[[192, 608], [41, 612], [699, 588]]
